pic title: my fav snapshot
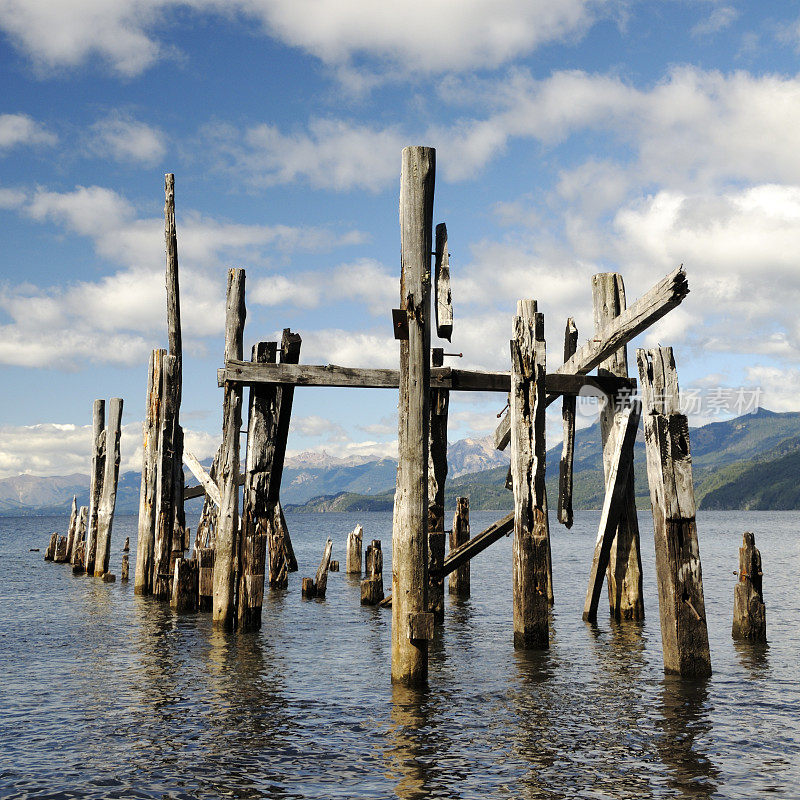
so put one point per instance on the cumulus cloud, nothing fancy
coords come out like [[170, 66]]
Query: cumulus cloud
[[50, 449], [331, 154], [20, 129], [112, 319], [123, 138], [408, 35], [719, 19]]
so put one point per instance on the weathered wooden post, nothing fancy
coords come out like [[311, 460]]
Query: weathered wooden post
[[79, 546], [276, 544], [185, 585], [50, 553], [437, 475], [411, 621], [255, 503], [749, 611], [108, 498], [684, 634], [224, 611], [175, 345], [354, 543], [321, 578], [528, 446], [125, 570], [624, 574], [372, 585], [95, 480], [165, 520], [568, 421], [283, 399], [73, 524], [145, 542], [205, 564], [458, 582]]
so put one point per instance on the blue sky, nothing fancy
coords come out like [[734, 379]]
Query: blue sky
[[572, 138]]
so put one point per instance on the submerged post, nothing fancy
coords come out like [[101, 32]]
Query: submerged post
[[458, 582], [410, 528], [73, 524], [684, 633], [528, 446], [354, 542], [145, 541], [228, 524], [624, 574], [95, 480], [749, 611], [108, 499]]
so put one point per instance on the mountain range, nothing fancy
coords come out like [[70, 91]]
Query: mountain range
[[750, 462]]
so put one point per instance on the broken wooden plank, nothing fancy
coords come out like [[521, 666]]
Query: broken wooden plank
[[568, 422], [478, 544], [444, 299], [196, 468], [530, 574], [684, 633], [614, 504], [245, 372], [624, 574], [649, 308]]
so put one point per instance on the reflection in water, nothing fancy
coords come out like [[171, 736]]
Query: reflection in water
[[753, 656], [416, 754], [685, 718]]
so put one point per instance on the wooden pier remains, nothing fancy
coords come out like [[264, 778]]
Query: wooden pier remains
[[238, 552]]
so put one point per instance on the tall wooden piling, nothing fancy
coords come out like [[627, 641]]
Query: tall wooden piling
[[255, 502], [409, 529], [95, 480], [165, 514], [145, 541], [624, 574], [354, 544], [684, 633], [458, 582], [175, 344], [108, 498], [528, 446], [749, 611], [224, 612], [437, 475]]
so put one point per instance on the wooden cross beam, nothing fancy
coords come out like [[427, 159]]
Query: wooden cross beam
[[248, 372], [467, 551], [649, 308]]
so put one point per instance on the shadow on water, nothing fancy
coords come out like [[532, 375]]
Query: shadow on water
[[685, 718]]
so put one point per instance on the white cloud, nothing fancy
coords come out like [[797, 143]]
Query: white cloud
[[351, 348], [317, 427], [125, 139], [719, 19], [416, 35], [117, 318], [332, 154], [20, 129], [52, 449]]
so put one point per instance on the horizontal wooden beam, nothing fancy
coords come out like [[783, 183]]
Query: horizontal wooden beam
[[478, 544], [206, 481], [648, 309], [248, 372]]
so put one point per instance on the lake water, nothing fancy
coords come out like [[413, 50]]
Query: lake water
[[108, 695]]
